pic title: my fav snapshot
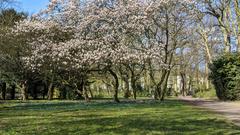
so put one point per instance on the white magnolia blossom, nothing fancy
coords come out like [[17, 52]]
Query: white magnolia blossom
[[102, 32]]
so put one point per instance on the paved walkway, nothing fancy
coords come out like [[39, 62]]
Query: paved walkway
[[231, 110]]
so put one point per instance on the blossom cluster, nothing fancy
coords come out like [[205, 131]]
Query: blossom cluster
[[102, 32]]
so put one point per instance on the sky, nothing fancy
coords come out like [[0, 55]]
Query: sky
[[31, 6]]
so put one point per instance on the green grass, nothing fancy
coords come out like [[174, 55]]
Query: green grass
[[104, 117]]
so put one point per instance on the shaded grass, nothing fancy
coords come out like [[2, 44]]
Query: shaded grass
[[105, 117]]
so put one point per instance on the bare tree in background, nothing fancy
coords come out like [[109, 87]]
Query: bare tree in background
[[6, 4]]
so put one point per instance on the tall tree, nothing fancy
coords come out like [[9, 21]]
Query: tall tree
[[11, 50]]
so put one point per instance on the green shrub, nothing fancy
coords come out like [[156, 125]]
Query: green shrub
[[225, 76], [208, 94], [200, 91], [99, 96]]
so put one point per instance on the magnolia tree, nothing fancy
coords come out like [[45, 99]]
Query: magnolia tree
[[166, 24], [72, 35]]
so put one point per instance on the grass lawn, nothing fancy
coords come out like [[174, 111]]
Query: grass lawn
[[105, 117]]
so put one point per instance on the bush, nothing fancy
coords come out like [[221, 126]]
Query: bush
[[225, 76], [205, 93]]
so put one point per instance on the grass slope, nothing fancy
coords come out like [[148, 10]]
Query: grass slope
[[104, 117]]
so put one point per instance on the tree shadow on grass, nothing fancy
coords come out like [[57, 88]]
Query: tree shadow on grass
[[90, 105], [138, 117], [142, 124]]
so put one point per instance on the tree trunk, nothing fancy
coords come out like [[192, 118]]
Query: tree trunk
[[197, 74], [238, 42], [226, 28], [158, 90], [133, 83], [226, 33], [206, 75], [157, 93], [127, 91], [146, 82], [116, 85], [4, 90], [63, 92], [183, 80], [135, 94], [45, 90], [13, 91], [83, 90], [109, 90], [24, 90], [165, 86], [208, 53], [86, 97], [225, 38], [237, 11], [190, 85], [34, 91], [91, 93], [175, 85], [50, 91]]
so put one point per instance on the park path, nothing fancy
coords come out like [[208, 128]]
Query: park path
[[230, 110]]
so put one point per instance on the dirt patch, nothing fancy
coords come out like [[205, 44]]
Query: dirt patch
[[230, 110]]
